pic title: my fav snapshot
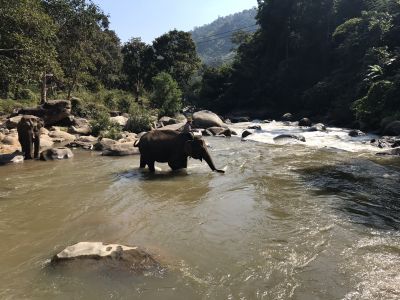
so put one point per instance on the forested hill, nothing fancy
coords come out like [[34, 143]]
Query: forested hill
[[213, 40]]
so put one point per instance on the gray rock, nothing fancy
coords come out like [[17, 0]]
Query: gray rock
[[355, 133], [246, 133], [12, 122], [52, 112], [206, 119], [391, 152], [121, 149], [283, 137], [392, 129], [115, 256], [104, 144], [306, 122], [120, 120], [219, 131], [255, 127], [56, 153], [61, 136], [317, 127], [167, 121], [16, 157], [287, 117]]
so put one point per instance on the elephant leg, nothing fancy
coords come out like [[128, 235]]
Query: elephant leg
[[36, 146], [142, 162], [178, 164], [151, 165], [27, 147]]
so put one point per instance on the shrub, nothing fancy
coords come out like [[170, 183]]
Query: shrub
[[166, 95], [26, 94], [102, 126], [139, 120]]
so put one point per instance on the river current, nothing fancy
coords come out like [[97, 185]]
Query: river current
[[288, 220]]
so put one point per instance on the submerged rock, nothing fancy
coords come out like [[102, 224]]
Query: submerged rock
[[317, 127], [356, 132], [289, 136], [255, 127], [287, 117], [117, 256], [219, 131], [56, 153], [246, 133], [394, 151], [16, 157]]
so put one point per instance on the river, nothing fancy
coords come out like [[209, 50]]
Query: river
[[313, 220]]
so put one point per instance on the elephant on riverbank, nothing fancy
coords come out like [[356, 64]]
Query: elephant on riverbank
[[29, 135], [172, 147]]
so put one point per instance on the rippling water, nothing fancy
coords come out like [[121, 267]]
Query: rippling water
[[314, 220]]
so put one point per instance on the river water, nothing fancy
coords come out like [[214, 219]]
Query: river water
[[314, 220]]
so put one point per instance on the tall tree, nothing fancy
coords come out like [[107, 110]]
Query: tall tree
[[138, 65], [27, 43], [175, 54]]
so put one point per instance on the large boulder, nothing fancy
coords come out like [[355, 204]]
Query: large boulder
[[317, 127], [167, 121], [59, 136], [46, 141], [53, 112], [219, 131], [287, 117], [104, 144], [121, 149], [80, 126], [120, 120], [12, 122], [56, 153], [206, 119], [392, 129], [306, 122], [100, 255]]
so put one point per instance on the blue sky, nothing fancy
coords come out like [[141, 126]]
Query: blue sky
[[149, 19]]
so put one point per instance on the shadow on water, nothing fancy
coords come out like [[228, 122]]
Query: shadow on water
[[145, 175], [367, 192]]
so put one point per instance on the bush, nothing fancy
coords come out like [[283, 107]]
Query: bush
[[166, 95], [26, 94], [139, 120], [88, 110], [102, 126]]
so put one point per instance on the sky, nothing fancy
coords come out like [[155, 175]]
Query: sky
[[149, 19]]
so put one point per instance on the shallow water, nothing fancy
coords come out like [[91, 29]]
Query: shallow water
[[314, 220]]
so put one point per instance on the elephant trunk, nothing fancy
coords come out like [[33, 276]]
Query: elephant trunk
[[206, 156]]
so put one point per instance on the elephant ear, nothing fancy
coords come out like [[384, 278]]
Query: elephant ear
[[187, 147], [187, 136]]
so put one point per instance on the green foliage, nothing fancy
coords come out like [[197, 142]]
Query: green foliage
[[26, 94], [166, 95], [102, 126], [138, 65], [27, 43], [175, 54], [7, 106], [139, 120]]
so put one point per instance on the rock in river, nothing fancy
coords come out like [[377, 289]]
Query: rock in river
[[56, 153], [116, 256]]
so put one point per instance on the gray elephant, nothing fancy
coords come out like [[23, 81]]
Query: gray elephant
[[29, 135], [172, 147]]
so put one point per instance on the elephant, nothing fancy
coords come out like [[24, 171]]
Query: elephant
[[172, 147], [29, 135]]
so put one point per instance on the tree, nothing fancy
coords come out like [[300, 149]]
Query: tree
[[27, 44], [80, 25], [138, 65], [166, 95], [175, 54]]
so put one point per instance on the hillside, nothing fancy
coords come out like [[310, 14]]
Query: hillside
[[213, 41]]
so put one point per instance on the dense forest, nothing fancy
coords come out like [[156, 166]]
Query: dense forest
[[336, 60], [214, 41]]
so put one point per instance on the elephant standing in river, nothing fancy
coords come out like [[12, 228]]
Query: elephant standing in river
[[29, 135], [172, 147]]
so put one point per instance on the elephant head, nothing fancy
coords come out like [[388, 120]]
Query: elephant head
[[197, 149]]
